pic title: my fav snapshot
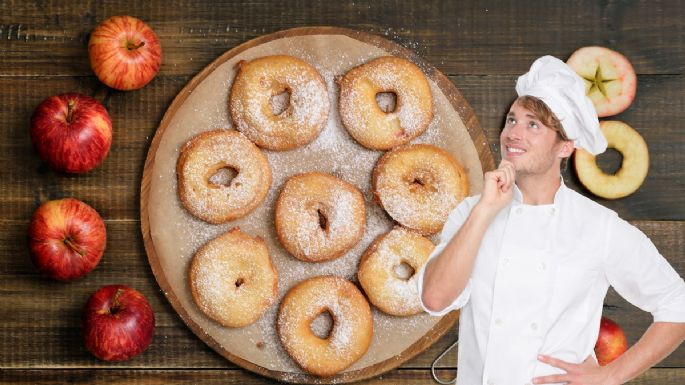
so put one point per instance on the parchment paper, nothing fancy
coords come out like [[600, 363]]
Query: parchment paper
[[177, 235]]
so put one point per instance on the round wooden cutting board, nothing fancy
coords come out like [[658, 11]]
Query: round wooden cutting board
[[171, 235]]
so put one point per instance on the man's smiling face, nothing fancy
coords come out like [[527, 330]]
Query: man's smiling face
[[531, 146]]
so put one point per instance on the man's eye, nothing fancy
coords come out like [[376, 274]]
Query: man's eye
[[533, 125], [511, 121]]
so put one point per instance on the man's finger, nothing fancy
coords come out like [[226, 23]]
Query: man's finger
[[504, 178], [567, 366], [510, 178], [553, 379], [508, 169]]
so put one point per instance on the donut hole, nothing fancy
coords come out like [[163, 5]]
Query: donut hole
[[322, 324], [223, 176], [421, 182], [387, 101], [610, 161], [323, 220], [280, 102], [403, 271], [239, 282]]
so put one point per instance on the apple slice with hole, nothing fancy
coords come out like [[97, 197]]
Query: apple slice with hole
[[610, 80]]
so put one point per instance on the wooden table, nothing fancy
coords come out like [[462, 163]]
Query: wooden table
[[481, 46]]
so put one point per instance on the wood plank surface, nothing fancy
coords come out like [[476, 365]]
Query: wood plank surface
[[458, 37], [481, 45], [230, 377]]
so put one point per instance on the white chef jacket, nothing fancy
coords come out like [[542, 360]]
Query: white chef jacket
[[539, 282]]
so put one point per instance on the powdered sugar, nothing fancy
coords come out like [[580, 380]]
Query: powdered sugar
[[335, 152], [319, 216], [387, 290], [351, 316], [251, 102], [208, 153], [366, 120], [232, 280], [419, 186]]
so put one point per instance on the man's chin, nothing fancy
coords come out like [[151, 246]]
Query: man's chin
[[513, 160]]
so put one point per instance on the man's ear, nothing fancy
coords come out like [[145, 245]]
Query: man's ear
[[566, 148]]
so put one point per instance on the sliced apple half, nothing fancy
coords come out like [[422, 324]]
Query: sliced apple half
[[610, 80]]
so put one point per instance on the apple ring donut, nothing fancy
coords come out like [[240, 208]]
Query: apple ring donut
[[386, 289], [319, 217], [363, 118], [634, 166], [418, 185], [253, 92], [349, 337], [232, 279], [206, 154]]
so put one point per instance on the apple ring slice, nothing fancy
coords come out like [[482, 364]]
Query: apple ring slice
[[634, 167], [610, 80]]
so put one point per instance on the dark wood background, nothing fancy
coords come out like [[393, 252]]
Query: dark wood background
[[481, 45]]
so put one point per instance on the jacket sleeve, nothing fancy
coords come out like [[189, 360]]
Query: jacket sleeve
[[641, 275], [454, 222]]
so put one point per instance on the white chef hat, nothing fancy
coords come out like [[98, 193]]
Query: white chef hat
[[563, 91]]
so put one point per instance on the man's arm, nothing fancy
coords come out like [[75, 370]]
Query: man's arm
[[644, 277], [660, 340], [446, 275]]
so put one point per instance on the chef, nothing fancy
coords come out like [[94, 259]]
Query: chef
[[529, 261]]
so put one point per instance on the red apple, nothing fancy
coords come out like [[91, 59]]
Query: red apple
[[124, 52], [66, 238], [118, 323], [610, 80], [71, 132], [611, 342]]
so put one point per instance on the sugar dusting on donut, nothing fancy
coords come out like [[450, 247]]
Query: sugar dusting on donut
[[304, 106], [405, 208], [418, 185], [209, 281], [213, 150], [351, 331], [260, 80], [394, 294], [319, 217], [216, 279], [412, 118], [232, 279], [404, 292], [366, 121]]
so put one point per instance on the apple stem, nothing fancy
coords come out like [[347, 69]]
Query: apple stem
[[132, 45], [70, 243], [115, 302], [70, 110]]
